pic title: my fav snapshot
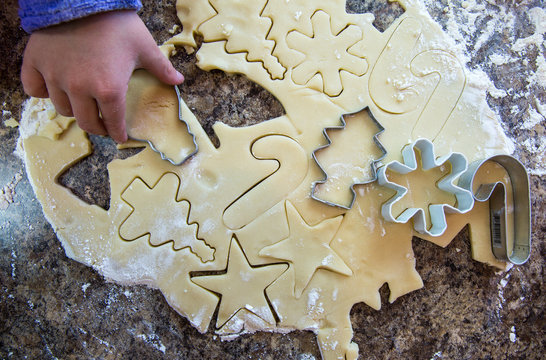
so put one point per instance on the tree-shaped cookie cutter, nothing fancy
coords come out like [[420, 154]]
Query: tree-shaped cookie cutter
[[464, 198], [163, 155], [496, 193], [373, 165]]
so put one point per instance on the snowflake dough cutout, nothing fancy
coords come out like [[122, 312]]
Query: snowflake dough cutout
[[296, 15], [326, 54], [458, 165], [158, 203]]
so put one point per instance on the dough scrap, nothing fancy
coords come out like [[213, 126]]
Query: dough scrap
[[239, 23], [191, 14], [251, 196]]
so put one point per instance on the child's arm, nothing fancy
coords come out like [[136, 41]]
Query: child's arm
[[84, 66]]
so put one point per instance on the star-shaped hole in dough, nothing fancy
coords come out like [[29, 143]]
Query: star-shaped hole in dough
[[242, 286], [326, 54], [307, 248]]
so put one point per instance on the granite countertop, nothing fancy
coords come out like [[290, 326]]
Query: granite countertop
[[53, 307]]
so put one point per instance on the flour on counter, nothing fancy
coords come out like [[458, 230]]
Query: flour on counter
[[532, 119], [7, 193], [513, 337], [84, 287], [153, 340], [473, 24]]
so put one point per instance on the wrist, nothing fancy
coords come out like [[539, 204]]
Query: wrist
[[36, 15]]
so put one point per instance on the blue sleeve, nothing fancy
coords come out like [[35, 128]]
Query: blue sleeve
[[37, 14]]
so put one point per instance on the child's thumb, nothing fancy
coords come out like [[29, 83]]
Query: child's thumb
[[156, 63]]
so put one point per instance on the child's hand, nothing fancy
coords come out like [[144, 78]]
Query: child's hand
[[84, 66]]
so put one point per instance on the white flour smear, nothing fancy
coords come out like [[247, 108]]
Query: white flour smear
[[503, 43]]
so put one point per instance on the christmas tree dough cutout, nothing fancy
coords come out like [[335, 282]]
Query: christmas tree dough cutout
[[152, 206], [350, 158]]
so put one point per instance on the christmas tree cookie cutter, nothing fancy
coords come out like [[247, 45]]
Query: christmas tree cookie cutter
[[161, 153], [373, 164], [496, 194], [464, 198]]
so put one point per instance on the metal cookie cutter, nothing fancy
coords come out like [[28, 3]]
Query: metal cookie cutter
[[464, 198], [163, 155], [373, 165], [496, 194]]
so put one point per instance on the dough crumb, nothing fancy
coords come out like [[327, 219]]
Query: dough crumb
[[174, 29], [11, 122]]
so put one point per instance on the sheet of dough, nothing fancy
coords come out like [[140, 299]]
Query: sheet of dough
[[244, 208]]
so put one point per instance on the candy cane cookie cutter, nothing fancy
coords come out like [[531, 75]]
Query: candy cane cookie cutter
[[464, 198], [162, 154], [374, 163], [496, 194]]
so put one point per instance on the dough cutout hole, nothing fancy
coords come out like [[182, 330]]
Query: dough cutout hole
[[209, 98], [385, 12], [90, 188]]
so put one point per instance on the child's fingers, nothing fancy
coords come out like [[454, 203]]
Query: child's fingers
[[156, 63], [33, 82], [112, 108], [87, 115], [61, 101]]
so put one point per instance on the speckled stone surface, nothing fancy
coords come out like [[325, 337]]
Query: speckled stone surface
[[53, 307]]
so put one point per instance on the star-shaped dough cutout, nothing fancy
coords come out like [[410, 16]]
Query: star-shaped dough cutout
[[307, 248], [242, 286]]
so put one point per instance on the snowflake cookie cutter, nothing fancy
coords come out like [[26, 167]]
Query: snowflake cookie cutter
[[374, 163], [496, 194], [162, 154], [464, 197]]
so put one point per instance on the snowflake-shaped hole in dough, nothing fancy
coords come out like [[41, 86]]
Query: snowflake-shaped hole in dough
[[425, 204]]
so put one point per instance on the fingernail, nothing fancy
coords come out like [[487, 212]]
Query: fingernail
[[121, 140], [180, 77]]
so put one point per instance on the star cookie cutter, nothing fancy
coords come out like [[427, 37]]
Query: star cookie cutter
[[162, 154], [496, 194], [373, 165], [464, 198]]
